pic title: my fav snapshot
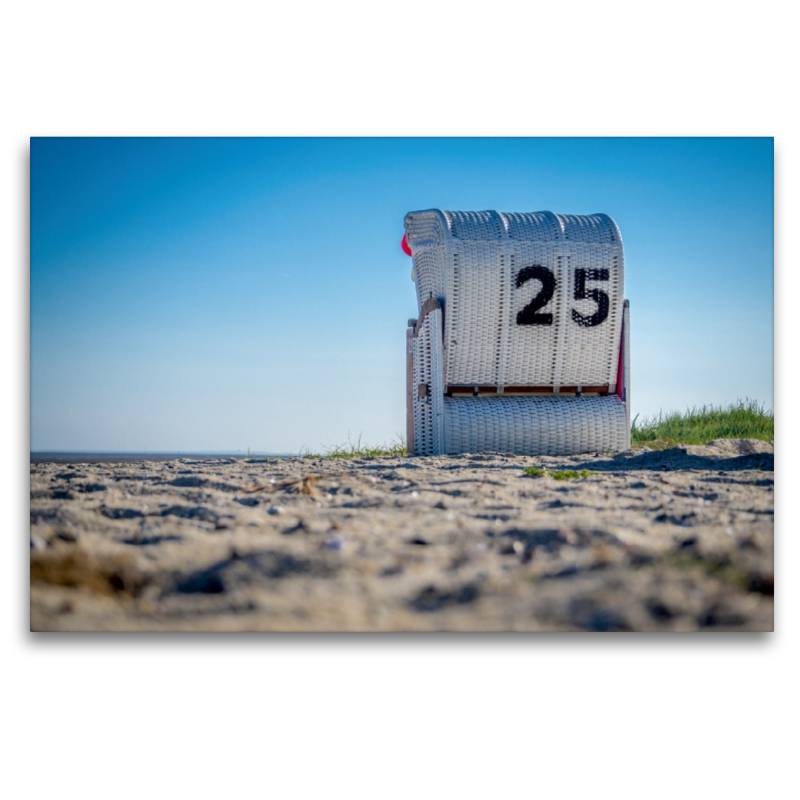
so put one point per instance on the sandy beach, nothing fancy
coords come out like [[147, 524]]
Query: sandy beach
[[672, 540]]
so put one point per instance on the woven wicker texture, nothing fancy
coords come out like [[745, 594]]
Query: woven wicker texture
[[626, 373], [428, 409], [534, 425], [529, 300]]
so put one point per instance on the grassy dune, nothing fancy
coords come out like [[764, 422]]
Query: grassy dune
[[743, 420]]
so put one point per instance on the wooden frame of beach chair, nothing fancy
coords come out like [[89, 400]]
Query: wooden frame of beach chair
[[521, 344]]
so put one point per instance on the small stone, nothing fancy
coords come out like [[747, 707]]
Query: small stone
[[334, 543], [247, 501], [275, 510]]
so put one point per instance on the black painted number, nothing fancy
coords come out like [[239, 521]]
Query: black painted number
[[529, 315], [598, 295]]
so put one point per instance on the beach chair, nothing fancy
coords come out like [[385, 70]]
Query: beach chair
[[521, 343]]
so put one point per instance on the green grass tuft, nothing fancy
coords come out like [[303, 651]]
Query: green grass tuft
[[359, 450], [566, 474], [743, 420], [559, 474]]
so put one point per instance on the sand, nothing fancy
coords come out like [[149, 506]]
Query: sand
[[672, 540]]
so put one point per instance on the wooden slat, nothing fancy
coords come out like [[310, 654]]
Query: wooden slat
[[526, 390]]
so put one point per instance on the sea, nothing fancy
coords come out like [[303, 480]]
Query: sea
[[79, 457]]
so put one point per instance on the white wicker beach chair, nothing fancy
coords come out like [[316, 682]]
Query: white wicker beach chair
[[521, 342]]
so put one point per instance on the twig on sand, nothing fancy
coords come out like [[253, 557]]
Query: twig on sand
[[307, 483]]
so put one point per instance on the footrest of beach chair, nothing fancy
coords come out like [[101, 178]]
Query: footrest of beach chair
[[536, 425]]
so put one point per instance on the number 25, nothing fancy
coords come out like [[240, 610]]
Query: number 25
[[530, 316]]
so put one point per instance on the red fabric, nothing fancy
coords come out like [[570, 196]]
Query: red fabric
[[404, 245]]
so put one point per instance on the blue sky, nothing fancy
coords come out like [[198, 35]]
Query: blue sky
[[225, 294]]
